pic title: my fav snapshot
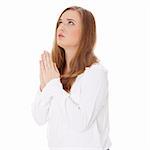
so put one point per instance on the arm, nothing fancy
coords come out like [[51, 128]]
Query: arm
[[42, 103], [44, 96], [103, 127], [81, 115]]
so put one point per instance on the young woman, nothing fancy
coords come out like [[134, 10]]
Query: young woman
[[73, 92]]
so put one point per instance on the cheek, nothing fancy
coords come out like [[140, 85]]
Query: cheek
[[75, 35]]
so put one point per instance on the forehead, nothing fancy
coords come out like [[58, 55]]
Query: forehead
[[71, 14]]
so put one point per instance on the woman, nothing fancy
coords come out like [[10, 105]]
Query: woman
[[73, 92]]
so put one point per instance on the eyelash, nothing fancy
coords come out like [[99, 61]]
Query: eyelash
[[68, 22], [71, 22]]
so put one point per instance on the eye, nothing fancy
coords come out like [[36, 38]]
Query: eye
[[70, 22], [59, 22]]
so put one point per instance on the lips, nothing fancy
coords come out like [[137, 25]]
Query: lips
[[60, 35]]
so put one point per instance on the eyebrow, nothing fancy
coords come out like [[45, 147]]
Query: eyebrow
[[68, 19]]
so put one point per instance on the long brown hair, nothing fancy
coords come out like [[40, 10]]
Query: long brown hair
[[84, 56]]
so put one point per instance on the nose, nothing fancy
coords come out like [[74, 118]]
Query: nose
[[61, 27]]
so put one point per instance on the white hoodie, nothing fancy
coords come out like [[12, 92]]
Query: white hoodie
[[78, 120]]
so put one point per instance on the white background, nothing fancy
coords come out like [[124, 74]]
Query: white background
[[27, 28]]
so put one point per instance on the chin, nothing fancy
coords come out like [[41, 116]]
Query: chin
[[61, 44]]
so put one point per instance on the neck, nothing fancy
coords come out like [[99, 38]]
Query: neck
[[69, 54]]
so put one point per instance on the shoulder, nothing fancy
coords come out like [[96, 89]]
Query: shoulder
[[93, 73], [95, 69], [94, 76]]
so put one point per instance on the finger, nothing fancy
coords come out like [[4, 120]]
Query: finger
[[42, 69], [43, 59], [50, 59], [45, 62]]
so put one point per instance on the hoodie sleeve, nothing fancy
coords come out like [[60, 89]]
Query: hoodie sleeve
[[80, 111], [42, 102], [103, 127]]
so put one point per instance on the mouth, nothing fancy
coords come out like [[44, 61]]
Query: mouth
[[60, 35]]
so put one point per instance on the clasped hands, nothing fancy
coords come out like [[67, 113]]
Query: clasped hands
[[48, 69]]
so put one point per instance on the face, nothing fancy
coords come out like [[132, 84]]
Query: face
[[69, 30]]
